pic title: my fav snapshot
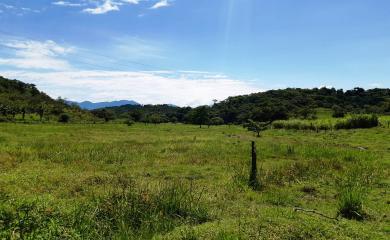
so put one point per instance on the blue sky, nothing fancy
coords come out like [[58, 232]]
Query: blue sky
[[188, 52]]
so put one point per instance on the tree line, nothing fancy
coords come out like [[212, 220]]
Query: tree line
[[260, 107], [18, 98]]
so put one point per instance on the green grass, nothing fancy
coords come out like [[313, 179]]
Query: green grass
[[172, 181]]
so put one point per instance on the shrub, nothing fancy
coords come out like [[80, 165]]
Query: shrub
[[129, 122], [217, 121], [338, 112], [64, 118], [358, 121]]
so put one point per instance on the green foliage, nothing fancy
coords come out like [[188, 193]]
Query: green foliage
[[256, 127], [129, 122], [351, 122], [300, 103], [199, 115], [64, 118], [338, 112], [303, 125], [216, 121], [307, 113], [105, 114], [272, 105], [358, 121], [18, 100], [156, 118]]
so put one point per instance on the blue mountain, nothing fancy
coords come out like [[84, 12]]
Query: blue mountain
[[91, 105]]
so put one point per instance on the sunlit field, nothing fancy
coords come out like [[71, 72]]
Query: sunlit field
[[178, 181]]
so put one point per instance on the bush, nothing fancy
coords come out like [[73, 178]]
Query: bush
[[358, 121], [64, 118], [129, 122], [338, 112], [217, 121]]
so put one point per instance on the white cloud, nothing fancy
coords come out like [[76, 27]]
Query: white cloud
[[35, 55], [160, 4], [144, 87], [44, 64], [68, 4], [108, 6], [131, 1]]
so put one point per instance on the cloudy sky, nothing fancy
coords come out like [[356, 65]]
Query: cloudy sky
[[188, 52]]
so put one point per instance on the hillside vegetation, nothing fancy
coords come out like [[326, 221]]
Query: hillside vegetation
[[24, 102], [266, 106], [18, 100]]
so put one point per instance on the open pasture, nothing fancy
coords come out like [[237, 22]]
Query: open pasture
[[175, 181]]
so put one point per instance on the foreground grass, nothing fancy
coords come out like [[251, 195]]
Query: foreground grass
[[182, 182]]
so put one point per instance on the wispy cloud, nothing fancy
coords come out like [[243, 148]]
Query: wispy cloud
[[6, 6], [68, 4], [108, 6], [35, 55], [160, 4], [18, 10]]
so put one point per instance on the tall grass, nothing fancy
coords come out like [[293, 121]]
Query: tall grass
[[351, 202], [358, 121], [129, 212], [351, 122], [60, 181]]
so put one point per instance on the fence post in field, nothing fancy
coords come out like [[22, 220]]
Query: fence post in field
[[253, 182]]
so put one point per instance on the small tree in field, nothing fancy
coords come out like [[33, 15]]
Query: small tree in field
[[257, 127], [200, 115], [105, 114], [216, 121], [64, 118]]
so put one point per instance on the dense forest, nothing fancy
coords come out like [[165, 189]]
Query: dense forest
[[18, 98], [263, 107]]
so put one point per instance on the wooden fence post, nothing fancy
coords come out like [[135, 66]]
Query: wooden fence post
[[253, 182]]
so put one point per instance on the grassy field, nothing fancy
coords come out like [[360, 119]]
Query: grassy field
[[181, 182]]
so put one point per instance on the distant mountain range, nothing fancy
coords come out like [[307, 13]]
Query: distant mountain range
[[91, 105]]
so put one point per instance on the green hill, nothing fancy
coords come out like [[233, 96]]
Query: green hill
[[270, 105], [19, 99]]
